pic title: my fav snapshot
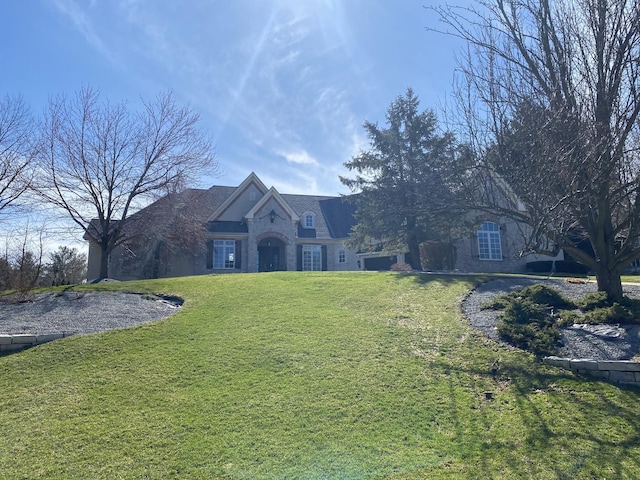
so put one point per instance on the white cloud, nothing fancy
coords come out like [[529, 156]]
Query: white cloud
[[300, 157], [280, 83]]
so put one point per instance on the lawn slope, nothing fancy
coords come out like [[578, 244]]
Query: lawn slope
[[300, 375]]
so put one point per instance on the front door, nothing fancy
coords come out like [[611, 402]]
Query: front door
[[268, 259]]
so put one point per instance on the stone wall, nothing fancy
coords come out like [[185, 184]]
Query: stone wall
[[261, 226], [24, 340], [614, 371], [512, 242]]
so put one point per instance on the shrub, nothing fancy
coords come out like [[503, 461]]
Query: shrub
[[545, 295], [529, 321], [594, 300], [615, 313], [529, 326], [566, 266], [436, 255], [568, 317], [541, 266], [538, 293]]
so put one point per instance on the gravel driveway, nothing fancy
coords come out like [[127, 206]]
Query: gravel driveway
[[597, 342], [79, 312]]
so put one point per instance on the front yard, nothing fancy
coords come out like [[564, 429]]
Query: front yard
[[297, 375]]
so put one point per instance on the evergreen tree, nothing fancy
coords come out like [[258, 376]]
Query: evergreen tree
[[402, 188]]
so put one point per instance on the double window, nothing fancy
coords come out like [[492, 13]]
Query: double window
[[224, 254], [311, 258], [489, 244]]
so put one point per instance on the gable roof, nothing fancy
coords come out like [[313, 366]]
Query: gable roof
[[251, 179], [333, 215], [272, 193]]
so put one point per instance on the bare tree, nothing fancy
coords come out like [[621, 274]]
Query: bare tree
[[100, 161], [172, 226], [557, 85], [16, 153]]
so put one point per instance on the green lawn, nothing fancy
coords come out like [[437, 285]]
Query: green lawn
[[311, 376]]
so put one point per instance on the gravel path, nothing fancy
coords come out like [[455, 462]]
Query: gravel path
[[75, 312], [597, 342]]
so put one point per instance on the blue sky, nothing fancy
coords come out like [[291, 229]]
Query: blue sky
[[283, 86]]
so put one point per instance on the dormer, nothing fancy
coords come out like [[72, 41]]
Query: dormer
[[308, 220]]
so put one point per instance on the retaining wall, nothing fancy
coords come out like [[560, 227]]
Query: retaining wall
[[615, 371], [24, 340]]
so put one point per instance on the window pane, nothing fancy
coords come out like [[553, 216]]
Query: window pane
[[311, 258], [489, 244], [224, 252], [308, 221]]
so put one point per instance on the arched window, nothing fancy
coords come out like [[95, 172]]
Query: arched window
[[309, 220], [489, 243]]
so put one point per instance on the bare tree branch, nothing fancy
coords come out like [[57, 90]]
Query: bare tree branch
[[556, 89], [99, 161], [16, 152]]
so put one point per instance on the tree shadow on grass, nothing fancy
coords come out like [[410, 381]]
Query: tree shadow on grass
[[540, 421], [441, 278]]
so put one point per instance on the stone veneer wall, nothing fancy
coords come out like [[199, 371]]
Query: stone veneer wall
[[511, 239], [282, 227], [24, 340], [615, 371]]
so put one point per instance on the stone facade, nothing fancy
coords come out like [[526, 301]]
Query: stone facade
[[511, 241], [262, 228], [257, 229]]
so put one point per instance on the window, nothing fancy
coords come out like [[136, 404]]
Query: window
[[489, 247], [311, 258], [309, 220], [342, 256], [224, 253]]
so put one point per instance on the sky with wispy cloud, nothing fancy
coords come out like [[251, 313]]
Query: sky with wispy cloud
[[283, 86]]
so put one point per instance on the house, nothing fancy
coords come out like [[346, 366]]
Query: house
[[252, 228], [248, 228]]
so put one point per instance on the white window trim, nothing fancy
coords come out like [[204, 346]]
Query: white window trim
[[311, 257], [489, 242], [313, 220], [342, 256]]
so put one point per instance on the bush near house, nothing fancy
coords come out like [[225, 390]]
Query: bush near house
[[436, 255], [541, 266], [557, 266], [566, 266]]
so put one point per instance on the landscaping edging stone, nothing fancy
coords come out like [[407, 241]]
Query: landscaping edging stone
[[53, 316], [599, 352], [24, 340], [615, 371]]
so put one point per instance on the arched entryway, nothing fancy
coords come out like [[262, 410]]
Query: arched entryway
[[271, 255]]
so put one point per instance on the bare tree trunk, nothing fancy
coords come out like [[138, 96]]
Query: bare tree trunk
[[414, 251], [104, 263], [610, 282]]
